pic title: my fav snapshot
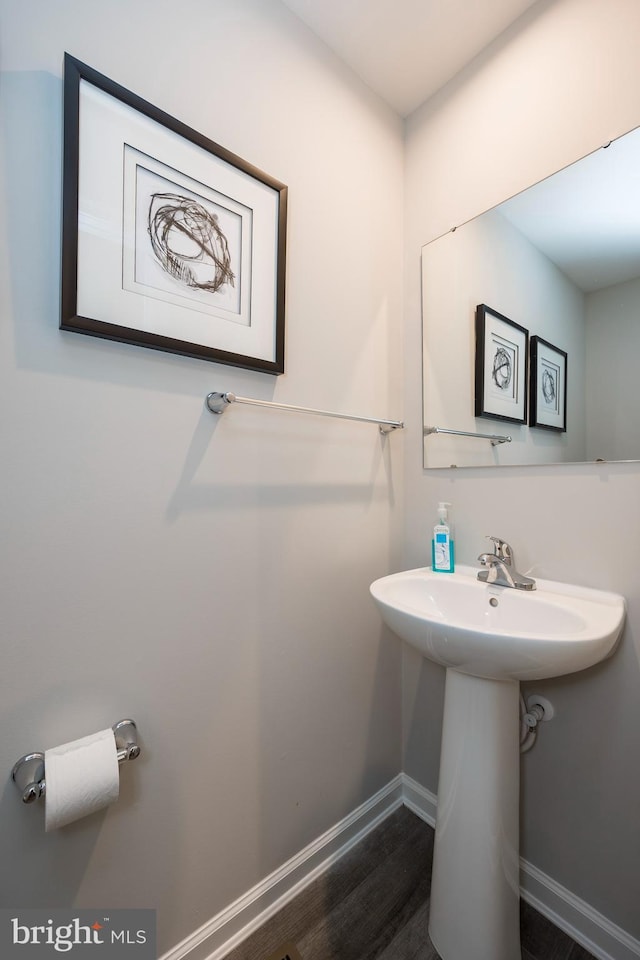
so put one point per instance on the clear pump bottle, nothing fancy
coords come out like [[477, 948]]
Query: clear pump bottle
[[442, 545]]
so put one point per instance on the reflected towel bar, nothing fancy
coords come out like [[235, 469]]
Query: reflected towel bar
[[218, 403], [493, 437], [28, 772]]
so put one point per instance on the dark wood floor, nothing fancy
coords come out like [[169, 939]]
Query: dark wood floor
[[373, 904]]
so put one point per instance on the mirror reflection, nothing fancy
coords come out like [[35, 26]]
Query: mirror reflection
[[561, 261]]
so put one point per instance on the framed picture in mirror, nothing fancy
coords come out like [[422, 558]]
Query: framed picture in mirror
[[547, 386], [500, 367]]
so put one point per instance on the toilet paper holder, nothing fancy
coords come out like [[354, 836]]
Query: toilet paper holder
[[29, 774]]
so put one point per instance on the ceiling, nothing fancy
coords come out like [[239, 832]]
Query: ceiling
[[406, 50]]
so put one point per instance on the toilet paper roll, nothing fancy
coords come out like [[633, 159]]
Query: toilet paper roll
[[81, 777]]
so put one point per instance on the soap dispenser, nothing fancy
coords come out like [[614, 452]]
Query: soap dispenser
[[442, 545]]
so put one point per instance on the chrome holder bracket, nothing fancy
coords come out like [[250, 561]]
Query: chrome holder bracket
[[28, 772], [28, 776]]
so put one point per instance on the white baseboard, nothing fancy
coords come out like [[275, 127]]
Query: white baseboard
[[419, 800], [234, 924], [586, 926], [604, 939], [215, 939]]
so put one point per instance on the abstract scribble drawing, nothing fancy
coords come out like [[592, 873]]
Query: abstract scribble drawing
[[188, 242], [502, 369], [548, 387]]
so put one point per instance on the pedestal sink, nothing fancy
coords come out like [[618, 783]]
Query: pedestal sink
[[489, 638]]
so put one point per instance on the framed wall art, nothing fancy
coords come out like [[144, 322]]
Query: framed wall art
[[169, 240], [500, 367], [547, 386]]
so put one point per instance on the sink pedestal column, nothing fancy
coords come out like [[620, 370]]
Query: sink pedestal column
[[475, 891]]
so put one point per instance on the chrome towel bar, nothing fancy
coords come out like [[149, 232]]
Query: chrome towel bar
[[28, 772], [495, 438], [218, 403]]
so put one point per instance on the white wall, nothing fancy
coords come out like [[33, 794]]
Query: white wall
[[561, 82], [489, 261], [206, 576], [612, 321]]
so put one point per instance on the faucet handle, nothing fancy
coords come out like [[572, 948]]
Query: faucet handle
[[501, 549]]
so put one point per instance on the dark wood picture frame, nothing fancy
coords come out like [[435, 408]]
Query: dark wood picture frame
[[547, 386], [212, 292], [500, 367]]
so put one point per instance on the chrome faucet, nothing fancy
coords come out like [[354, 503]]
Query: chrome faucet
[[501, 568]]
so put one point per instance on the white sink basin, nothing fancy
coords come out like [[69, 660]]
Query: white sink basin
[[498, 632]]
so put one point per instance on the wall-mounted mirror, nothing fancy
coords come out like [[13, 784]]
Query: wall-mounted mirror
[[561, 261]]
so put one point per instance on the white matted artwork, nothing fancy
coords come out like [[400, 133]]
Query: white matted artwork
[[169, 240], [500, 367], [547, 386], [183, 242]]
